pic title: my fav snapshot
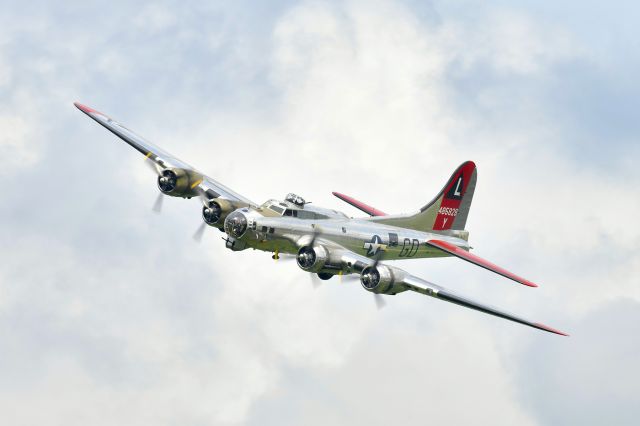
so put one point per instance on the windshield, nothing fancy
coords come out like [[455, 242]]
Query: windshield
[[276, 209]]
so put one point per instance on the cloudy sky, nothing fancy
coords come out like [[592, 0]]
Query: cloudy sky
[[111, 314]]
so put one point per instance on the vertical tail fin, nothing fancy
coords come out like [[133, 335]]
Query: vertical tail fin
[[448, 210], [451, 206]]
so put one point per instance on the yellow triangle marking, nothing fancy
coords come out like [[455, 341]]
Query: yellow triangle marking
[[196, 183], [148, 154]]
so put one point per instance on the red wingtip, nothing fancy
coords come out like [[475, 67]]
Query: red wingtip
[[85, 108], [549, 329]]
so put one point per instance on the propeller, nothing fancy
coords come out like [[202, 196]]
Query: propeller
[[349, 277], [316, 282], [152, 165], [197, 236], [316, 232], [157, 205], [380, 302], [284, 257], [202, 194]]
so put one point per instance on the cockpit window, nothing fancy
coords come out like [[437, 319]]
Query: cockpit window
[[290, 212], [303, 214], [276, 209]]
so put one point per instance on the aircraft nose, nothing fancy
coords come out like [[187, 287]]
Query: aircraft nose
[[235, 224]]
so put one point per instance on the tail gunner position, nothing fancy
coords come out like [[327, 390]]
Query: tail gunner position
[[327, 242]]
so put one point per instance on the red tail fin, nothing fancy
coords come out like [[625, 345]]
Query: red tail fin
[[454, 200], [448, 210]]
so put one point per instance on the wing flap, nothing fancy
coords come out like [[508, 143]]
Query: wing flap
[[477, 260]]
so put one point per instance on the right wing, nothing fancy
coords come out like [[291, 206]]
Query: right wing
[[386, 279], [425, 287], [164, 160]]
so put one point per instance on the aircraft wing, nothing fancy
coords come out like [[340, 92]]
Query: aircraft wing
[[162, 159], [393, 280], [425, 287], [477, 260]]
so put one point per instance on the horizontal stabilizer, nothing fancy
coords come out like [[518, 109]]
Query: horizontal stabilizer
[[371, 211], [476, 260]]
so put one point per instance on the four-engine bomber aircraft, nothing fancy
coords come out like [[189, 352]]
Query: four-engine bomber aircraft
[[327, 242]]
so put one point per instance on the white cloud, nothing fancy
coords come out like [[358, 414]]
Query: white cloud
[[16, 147], [154, 18], [126, 320], [509, 42], [5, 72]]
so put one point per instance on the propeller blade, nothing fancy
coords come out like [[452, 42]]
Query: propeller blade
[[286, 257], [316, 282], [157, 206], [197, 236], [203, 196], [377, 258], [349, 278], [153, 166], [380, 303], [316, 233]]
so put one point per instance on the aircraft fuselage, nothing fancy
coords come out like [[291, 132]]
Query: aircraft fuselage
[[280, 234]]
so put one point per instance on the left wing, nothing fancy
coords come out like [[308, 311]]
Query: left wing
[[385, 279], [198, 182]]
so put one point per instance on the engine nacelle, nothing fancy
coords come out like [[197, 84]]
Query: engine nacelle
[[312, 258], [177, 182], [217, 211], [377, 279]]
